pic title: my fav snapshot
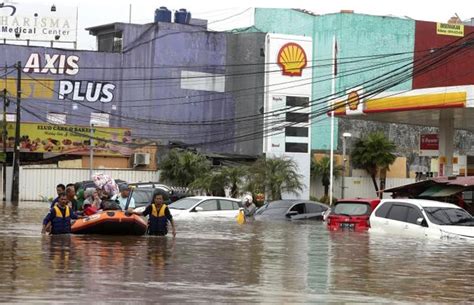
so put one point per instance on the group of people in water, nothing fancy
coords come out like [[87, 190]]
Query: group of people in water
[[75, 204]]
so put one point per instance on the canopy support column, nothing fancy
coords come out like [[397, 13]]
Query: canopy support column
[[446, 142]]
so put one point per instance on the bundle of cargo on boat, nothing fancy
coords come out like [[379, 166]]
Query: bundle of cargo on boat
[[110, 220]]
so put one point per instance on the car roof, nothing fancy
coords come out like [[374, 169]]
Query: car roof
[[362, 200], [289, 202], [424, 203], [212, 197]]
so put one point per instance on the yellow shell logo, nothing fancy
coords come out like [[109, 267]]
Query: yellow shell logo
[[292, 59], [353, 100]]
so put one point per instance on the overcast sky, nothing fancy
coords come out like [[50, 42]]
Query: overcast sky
[[97, 12]]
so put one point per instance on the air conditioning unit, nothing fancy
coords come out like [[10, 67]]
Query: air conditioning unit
[[141, 159]]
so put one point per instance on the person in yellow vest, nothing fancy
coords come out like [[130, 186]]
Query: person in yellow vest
[[159, 216], [59, 217]]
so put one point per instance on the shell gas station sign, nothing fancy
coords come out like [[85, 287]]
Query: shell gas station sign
[[292, 59]]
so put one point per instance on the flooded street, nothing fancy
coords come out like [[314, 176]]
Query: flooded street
[[220, 261]]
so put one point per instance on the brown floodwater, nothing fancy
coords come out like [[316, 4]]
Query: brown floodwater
[[223, 262]]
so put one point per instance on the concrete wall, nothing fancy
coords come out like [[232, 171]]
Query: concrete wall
[[106, 162], [356, 187], [246, 82]]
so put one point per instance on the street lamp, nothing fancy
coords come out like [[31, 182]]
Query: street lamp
[[344, 136]]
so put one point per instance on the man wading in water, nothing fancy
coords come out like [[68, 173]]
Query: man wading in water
[[159, 216]]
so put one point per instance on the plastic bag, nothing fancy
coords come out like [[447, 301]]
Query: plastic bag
[[241, 217], [106, 183]]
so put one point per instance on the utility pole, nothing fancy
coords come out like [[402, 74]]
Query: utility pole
[[4, 137], [91, 152], [16, 149], [4, 140]]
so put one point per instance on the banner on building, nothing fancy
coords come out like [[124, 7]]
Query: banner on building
[[450, 29], [68, 139], [38, 22]]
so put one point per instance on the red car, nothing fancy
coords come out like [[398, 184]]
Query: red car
[[351, 214]]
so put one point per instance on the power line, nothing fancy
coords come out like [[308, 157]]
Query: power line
[[431, 66]]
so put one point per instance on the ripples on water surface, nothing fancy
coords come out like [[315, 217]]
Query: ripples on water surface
[[220, 261]]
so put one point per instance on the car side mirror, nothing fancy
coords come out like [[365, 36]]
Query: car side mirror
[[421, 222], [291, 213], [198, 209]]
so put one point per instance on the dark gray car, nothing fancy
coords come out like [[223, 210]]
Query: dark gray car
[[292, 209]]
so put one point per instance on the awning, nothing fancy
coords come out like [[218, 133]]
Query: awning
[[441, 191]]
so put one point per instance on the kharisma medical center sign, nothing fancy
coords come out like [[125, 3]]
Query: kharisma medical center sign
[[34, 22]]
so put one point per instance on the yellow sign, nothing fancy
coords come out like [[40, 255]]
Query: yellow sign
[[450, 29], [70, 139], [292, 59], [40, 89], [353, 100]]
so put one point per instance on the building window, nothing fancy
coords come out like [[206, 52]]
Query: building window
[[296, 131], [297, 117], [56, 118], [296, 147], [110, 42], [11, 117], [100, 119], [297, 101]]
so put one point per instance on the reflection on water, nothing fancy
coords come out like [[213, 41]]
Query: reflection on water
[[220, 261]]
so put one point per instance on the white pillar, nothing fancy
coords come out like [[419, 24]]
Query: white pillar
[[446, 141]]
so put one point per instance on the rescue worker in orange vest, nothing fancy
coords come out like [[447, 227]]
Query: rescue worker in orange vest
[[59, 217], [159, 216]]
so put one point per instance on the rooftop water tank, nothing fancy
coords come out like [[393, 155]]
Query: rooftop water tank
[[182, 16], [162, 14]]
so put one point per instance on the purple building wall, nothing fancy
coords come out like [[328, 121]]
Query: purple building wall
[[140, 88]]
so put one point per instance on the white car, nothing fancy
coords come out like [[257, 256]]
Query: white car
[[422, 218], [205, 206]]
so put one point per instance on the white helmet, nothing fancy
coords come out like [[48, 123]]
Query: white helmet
[[247, 198]]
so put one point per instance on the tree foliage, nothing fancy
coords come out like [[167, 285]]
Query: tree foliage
[[274, 176], [322, 169], [181, 168], [374, 153], [215, 182]]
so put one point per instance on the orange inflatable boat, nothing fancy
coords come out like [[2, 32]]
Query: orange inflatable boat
[[110, 223]]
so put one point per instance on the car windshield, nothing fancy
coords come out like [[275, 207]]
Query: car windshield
[[449, 216], [184, 204], [351, 208], [142, 197]]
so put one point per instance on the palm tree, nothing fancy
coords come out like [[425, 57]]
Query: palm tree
[[216, 181], [233, 177], [374, 153], [322, 168], [212, 183], [181, 168], [274, 176]]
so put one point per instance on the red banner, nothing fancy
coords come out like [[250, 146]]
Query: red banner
[[429, 142]]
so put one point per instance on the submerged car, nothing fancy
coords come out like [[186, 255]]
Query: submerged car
[[205, 206], [144, 195], [292, 209], [422, 218], [351, 214]]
